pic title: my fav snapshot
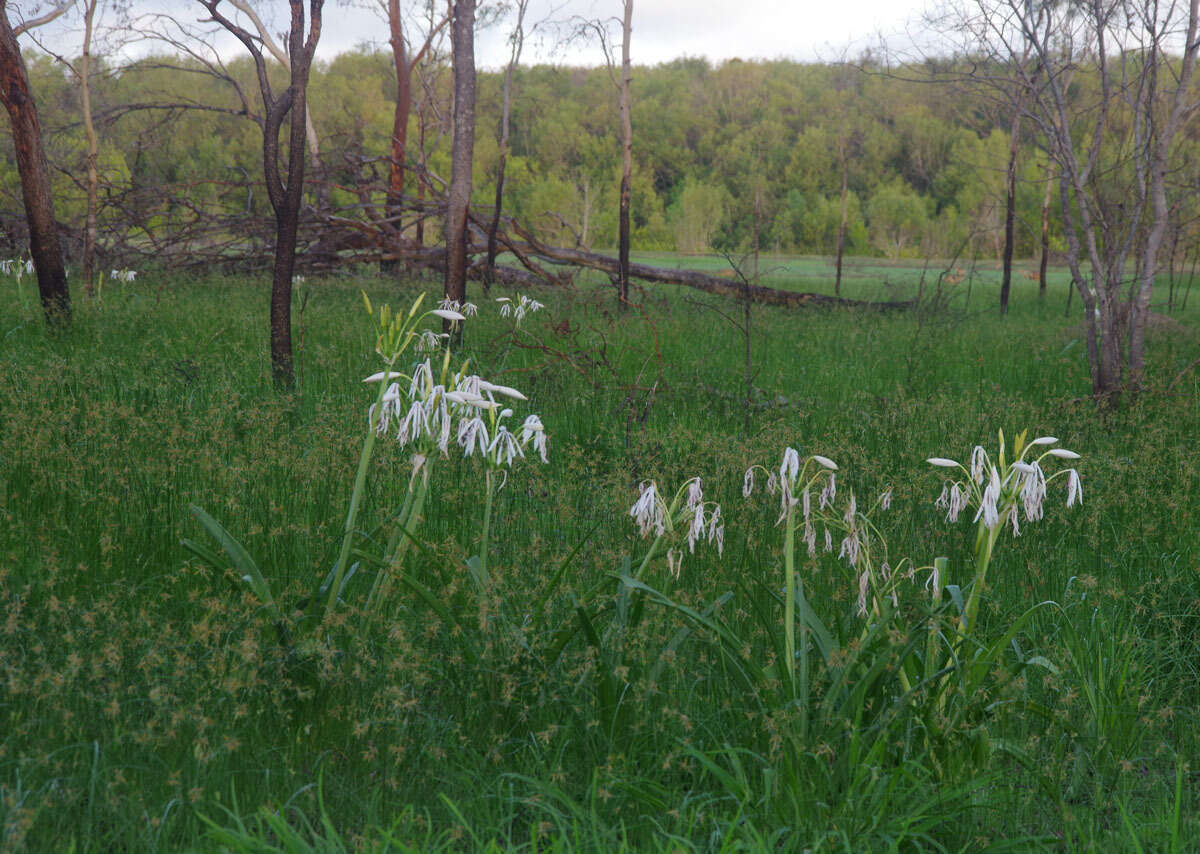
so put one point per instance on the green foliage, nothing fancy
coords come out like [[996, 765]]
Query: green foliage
[[150, 703]]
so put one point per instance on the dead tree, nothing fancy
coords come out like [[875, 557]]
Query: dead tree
[[406, 60], [285, 197], [517, 41], [44, 246], [462, 152], [1110, 141]]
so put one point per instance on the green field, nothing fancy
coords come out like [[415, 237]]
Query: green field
[[149, 701]]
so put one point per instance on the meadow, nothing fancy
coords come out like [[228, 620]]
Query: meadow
[[532, 682]]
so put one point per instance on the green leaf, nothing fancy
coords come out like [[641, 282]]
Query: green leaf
[[241, 559]]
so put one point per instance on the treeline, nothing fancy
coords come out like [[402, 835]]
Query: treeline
[[723, 154]]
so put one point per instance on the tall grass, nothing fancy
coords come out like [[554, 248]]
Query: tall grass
[[147, 702]]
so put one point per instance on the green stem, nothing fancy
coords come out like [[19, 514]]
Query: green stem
[[789, 600], [487, 525], [406, 522], [360, 481], [985, 543]]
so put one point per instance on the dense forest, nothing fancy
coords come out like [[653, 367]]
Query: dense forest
[[720, 151]]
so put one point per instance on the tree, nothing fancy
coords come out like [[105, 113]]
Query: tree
[[517, 41], [285, 197], [406, 59], [15, 94], [626, 154], [462, 150], [1110, 135]]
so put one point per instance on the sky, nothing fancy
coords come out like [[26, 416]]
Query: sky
[[663, 30]]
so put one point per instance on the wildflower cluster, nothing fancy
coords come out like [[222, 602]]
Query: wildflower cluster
[[1002, 492], [16, 267], [129, 275], [518, 310], [687, 511], [429, 414]]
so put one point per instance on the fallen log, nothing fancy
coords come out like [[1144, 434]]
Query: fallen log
[[694, 278]]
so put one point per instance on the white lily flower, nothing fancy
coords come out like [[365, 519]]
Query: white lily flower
[[422, 379], [446, 314], [748, 482], [1074, 488], [825, 461], [1044, 440], [472, 435], [697, 528], [864, 582], [414, 425], [695, 493], [942, 462], [978, 463], [647, 511], [505, 447], [533, 431], [988, 510], [789, 469]]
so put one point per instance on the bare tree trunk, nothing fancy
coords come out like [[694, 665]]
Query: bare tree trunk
[[458, 194], [518, 43], [44, 244], [91, 229], [1160, 214], [1045, 262], [841, 235], [1010, 209], [626, 155], [285, 197]]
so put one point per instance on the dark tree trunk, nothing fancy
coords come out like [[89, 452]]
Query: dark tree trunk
[[841, 235], [626, 156], [1045, 262], [44, 245], [462, 152], [285, 197], [1010, 210]]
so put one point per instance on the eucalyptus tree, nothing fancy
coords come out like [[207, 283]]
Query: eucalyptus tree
[[45, 248]]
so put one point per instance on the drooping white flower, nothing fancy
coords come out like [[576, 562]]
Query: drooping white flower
[[885, 500], [473, 435], [429, 341], [957, 503], [675, 562], [1033, 491], [829, 493], [695, 494], [505, 447], [748, 482], [1044, 440], [978, 463], [789, 469], [772, 483], [828, 541], [414, 425], [533, 431], [697, 528], [942, 462], [422, 380], [825, 461], [850, 548], [988, 509], [647, 511], [864, 583], [1074, 488]]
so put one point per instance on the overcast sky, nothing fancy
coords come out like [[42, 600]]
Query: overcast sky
[[662, 29]]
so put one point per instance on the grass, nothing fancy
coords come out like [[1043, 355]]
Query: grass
[[147, 703]]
